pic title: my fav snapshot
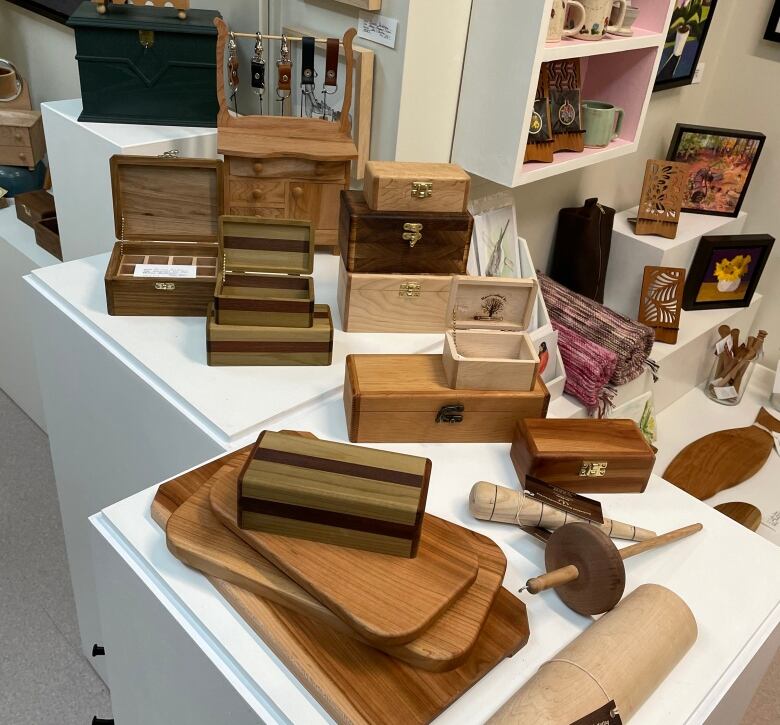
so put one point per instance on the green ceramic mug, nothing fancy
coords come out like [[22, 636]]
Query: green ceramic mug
[[602, 122]]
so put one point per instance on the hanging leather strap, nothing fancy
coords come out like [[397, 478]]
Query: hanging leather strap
[[332, 62], [258, 74], [284, 72], [307, 61]]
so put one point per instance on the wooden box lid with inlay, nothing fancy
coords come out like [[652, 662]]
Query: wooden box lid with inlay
[[486, 347], [263, 263], [585, 456], [334, 493], [165, 218]]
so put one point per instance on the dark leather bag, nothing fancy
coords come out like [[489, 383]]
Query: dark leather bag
[[581, 251]]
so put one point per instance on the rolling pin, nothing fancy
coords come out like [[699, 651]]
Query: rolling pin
[[490, 502]]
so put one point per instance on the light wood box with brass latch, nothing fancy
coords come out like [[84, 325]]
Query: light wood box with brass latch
[[264, 279], [21, 138], [165, 213], [486, 347]]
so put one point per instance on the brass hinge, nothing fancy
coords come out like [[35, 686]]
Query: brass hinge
[[410, 289], [412, 233], [422, 189], [593, 469]]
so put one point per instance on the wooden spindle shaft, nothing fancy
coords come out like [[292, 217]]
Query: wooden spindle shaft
[[552, 579], [661, 540]]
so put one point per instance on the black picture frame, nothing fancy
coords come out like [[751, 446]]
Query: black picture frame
[[57, 10], [662, 85], [703, 258], [672, 155], [772, 33]]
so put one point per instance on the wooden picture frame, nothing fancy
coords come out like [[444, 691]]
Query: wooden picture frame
[[772, 31], [692, 8], [713, 180], [706, 259]]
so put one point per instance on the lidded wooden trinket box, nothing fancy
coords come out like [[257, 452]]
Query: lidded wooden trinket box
[[486, 347], [165, 217], [262, 281]]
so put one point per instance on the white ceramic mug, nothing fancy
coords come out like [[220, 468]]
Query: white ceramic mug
[[597, 14], [568, 12]]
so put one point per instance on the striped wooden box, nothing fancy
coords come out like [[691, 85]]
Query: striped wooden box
[[260, 345], [262, 263], [334, 493]]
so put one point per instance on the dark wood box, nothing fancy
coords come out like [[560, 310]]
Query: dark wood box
[[32, 206], [47, 236], [583, 455], [407, 399], [140, 64], [165, 212], [402, 242]]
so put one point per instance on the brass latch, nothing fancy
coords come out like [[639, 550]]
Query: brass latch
[[146, 38], [410, 289], [164, 285], [593, 469], [412, 233], [422, 189], [450, 414]]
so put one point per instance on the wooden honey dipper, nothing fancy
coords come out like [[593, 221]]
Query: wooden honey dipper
[[490, 502], [586, 569]]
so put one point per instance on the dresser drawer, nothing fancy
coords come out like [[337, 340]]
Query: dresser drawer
[[269, 212], [250, 191], [288, 169], [14, 136], [17, 156]]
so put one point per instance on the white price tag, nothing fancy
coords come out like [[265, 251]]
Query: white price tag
[[728, 392], [379, 28], [725, 343], [177, 271]]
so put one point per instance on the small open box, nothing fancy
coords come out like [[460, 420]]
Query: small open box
[[165, 216], [487, 347], [262, 264]]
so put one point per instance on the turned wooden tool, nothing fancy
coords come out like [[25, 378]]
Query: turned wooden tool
[[490, 502], [586, 569]]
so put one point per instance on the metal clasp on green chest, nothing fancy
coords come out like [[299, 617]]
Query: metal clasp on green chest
[[146, 38]]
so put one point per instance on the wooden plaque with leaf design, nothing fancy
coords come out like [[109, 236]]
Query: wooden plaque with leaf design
[[660, 301], [662, 198]]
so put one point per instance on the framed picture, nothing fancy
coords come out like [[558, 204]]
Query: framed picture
[[495, 241], [59, 10], [642, 411], [725, 271], [720, 163], [773, 26], [684, 42]]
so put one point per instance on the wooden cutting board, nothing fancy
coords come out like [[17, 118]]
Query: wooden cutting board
[[387, 600], [196, 537], [723, 459], [353, 682], [743, 513]]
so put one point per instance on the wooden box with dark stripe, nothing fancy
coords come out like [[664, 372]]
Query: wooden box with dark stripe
[[262, 345], [334, 493], [262, 266]]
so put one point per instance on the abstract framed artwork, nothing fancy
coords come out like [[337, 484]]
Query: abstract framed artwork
[[725, 271], [720, 163], [685, 38], [773, 25]]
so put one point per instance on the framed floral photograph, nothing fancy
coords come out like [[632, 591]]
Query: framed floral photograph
[[720, 162], [725, 271]]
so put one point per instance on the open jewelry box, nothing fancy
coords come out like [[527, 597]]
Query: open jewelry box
[[486, 347], [262, 266], [165, 218]]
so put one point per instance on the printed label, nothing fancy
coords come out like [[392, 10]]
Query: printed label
[[559, 498], [179, 271], [607, 715], [728, 392], [725, 343], [772, 521], [379, 28]]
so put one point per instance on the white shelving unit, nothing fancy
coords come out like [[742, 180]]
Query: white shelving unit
[[505, 49]]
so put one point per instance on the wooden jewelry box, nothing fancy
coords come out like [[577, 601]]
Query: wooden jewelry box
[[262, 263], [391, 242], [33, 206], [271, 346], [407, 399], [487, 347], [392, 302], [583, 455], [415, 186], [47, 236], [334, 493], [21, 138]]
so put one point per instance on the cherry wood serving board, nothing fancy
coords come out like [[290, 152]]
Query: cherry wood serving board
[[387, 600], [196, 537], [355, 683]]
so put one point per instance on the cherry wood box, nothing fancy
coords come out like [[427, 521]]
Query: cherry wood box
[[334, 493], [32, 206], [262, 261], [392, 302], [583, 455], [486, 347], [408, 242], [47, 236], [165, 212], [270, 346], [407, 399], [415, 186]]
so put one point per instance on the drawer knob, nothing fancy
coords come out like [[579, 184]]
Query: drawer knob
[[257, 194], [297, 192], [22, 155], [18, 136], [320, 168], [258, 167]]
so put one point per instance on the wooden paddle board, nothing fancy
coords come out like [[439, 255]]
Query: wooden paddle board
[[743, 513]]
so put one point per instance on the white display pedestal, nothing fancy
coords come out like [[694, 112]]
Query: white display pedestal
[[19, 255], [81, 179], [630, 253], [211, 662], [130, 400]]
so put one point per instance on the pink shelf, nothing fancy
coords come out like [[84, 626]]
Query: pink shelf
[[574, 48]]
